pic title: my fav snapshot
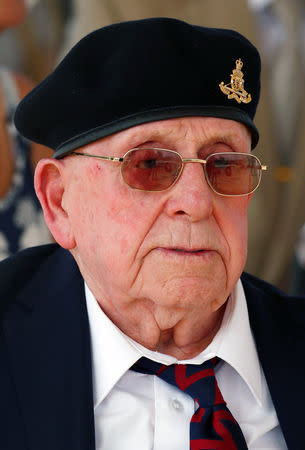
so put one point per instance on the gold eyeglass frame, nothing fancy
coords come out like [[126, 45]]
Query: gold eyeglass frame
[[183, 162]]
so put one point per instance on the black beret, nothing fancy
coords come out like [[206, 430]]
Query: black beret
[[135, 72]]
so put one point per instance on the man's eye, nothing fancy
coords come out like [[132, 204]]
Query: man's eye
[[221, 163], [147, 164]]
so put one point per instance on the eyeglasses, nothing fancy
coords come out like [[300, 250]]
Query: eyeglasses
[[157, 169]]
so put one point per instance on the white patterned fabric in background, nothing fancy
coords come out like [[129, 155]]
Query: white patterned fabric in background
[[21, 219]]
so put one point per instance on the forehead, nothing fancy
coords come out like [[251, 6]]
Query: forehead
[[198, 130]]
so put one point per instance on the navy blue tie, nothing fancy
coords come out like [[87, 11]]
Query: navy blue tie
[[212, 426]]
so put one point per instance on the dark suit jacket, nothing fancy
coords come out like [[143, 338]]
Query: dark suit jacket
[[45, 362]]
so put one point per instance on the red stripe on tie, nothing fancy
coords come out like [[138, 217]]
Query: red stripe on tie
[[218, 396], [208, 444], [184, 382], [162, 368], [197, 416], [226, 442]]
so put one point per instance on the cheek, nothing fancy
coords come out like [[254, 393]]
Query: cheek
[[234, 225], [112, 198], [109, 216]]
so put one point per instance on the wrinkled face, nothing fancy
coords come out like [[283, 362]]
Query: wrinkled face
[[184, 247]]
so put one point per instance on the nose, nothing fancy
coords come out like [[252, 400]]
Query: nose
[[191, 195]]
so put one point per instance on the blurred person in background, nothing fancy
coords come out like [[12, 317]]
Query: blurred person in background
[[277, 29], [31, 47], [21, 219]]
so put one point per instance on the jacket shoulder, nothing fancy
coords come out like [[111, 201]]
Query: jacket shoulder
[[269, 301], [17, 270], [257, 284]]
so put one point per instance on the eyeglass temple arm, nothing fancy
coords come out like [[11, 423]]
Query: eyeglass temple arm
[[106, 158]]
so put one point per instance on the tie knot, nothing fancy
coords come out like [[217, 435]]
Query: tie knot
[[198, 381], [212, 425]]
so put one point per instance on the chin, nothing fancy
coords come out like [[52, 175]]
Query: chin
[[189, 293]]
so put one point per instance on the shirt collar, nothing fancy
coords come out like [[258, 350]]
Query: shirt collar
[[234, 343], [113, 353]]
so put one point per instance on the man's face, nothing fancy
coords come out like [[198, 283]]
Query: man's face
[[179, 251]]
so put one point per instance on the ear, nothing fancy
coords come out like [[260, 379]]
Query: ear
[[50, 189]]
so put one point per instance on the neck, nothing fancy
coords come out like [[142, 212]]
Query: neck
[[181, 337], [169, 343], [187, 339]]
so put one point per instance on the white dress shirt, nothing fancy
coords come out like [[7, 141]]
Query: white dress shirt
[[138, 411]]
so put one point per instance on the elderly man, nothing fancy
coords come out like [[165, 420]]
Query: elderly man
[[139, 330]]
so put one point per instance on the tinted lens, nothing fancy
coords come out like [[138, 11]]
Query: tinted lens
[[233, 174], [151, 169]]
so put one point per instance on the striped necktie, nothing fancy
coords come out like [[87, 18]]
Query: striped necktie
[[212, 426]]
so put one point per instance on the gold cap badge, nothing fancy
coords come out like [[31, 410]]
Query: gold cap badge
[[235, 89]]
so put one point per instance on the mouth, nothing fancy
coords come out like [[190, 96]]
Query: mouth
[[178, 255], [183, 250], [186, 251]]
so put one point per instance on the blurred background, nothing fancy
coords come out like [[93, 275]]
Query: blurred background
[[35, 45]]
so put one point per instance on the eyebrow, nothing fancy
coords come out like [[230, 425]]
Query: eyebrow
[[230, 138]]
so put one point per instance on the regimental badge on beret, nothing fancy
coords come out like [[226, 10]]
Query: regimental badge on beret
[[235, 89]]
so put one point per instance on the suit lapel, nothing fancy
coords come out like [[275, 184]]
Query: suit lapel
[[47, 335], [277, 323]]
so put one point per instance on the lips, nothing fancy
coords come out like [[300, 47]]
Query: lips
[[187, 251], [192, 255], [182, 250]]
